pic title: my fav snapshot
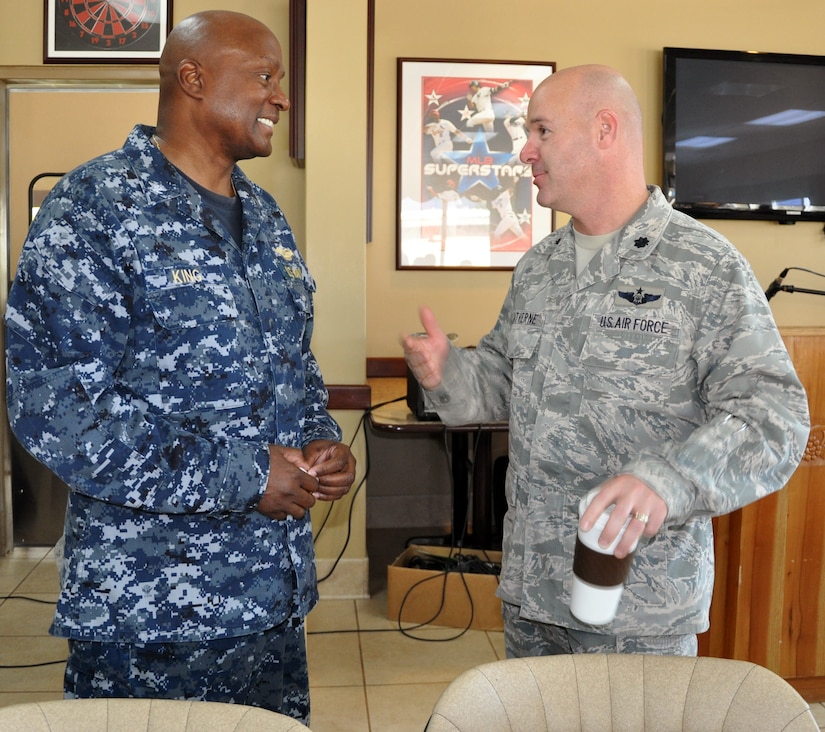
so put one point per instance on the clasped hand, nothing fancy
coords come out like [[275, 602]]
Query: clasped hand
[[324, 471]]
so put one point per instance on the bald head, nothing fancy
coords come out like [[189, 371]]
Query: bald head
[[204, 36], [587, 90], [585, 146]]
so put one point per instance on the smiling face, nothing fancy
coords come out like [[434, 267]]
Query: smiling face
[[242, 95], [559, 146]]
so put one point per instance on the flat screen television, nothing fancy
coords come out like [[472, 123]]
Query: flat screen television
[[744, 134]]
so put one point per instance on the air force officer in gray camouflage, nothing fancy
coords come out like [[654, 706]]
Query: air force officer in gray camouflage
[[635, 352], [159, 362]]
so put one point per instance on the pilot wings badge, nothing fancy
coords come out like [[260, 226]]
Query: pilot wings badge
[[641, 297]]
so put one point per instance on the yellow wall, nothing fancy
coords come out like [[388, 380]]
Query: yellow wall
[[40, 145], [336, 249], [630, 37]]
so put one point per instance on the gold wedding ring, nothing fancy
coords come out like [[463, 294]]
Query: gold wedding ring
[[643, 517]]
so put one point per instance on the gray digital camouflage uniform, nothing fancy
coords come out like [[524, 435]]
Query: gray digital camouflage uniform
[[150, 363], [661, 360]]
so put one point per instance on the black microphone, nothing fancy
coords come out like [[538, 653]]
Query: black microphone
[[776, 285]]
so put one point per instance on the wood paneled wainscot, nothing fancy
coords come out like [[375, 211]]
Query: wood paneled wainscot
[[769, 599]]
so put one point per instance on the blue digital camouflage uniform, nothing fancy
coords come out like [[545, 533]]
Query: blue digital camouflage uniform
[[150, 363], [661, 360]]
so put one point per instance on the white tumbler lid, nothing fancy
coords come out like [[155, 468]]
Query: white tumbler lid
[[591, 538]]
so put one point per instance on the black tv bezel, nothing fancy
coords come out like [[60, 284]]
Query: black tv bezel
[[721, 209]]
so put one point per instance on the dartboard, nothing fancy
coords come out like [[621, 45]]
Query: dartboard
[[107, 25]]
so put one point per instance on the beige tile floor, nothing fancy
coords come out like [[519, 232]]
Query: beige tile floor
[[365, 675]]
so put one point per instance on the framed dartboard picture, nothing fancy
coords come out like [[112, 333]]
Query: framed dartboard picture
[[105, 31]]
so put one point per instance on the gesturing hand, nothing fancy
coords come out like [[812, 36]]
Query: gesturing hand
[[427, 353]]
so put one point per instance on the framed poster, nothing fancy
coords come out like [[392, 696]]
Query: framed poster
[[465, 200], [105, 31]]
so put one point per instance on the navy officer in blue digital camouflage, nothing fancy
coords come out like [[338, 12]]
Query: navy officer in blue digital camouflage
[[159, 362]]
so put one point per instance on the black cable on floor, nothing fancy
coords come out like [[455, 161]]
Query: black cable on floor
[[42, 602], [30, 599]]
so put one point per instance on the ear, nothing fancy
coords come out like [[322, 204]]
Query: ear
[[607, 127], [190, 78]]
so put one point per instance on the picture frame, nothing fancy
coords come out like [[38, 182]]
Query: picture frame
[[105, 31], [297, 81], [465, 201]]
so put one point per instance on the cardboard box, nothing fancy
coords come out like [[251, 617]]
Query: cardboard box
[[439, 597]]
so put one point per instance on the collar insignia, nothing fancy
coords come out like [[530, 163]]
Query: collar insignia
[[284, 253]]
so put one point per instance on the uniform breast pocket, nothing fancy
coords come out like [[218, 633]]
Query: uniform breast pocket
[[286, 318], [522, 342], [522, 349], [196, 347], [630, 365]]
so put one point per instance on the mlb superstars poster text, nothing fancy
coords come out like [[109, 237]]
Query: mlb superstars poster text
[[465, 199]]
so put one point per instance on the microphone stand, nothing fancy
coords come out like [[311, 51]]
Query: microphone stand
[[777, 286], [792, 288]]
